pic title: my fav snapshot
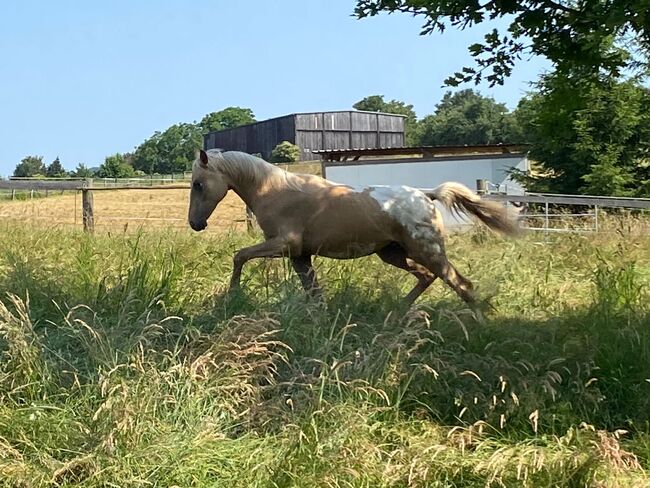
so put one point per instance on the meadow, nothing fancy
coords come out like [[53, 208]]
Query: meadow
[[124, 364], [127, 210]]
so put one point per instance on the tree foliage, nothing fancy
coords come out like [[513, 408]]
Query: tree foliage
[[285, 152], [466, 117], [573, 34], [376, 103], [82, 171], [30, 166], [55, 169], [115, 167], [589, 135], [228, 118], [171, 151]]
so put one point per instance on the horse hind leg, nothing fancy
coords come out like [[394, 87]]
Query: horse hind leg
[[430, 253], [456, 281], [303, 267], [395, 255]]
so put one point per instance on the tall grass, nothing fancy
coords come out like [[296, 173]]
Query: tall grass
[[122, 363]]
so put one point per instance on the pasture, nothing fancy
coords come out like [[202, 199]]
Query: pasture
[[122, 210], [123, 364], [126, 210]]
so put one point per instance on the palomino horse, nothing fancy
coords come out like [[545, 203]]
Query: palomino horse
[[304, 215]]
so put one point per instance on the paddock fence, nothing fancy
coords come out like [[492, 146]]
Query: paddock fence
[[165, 205], [80, 203], [569, 213]]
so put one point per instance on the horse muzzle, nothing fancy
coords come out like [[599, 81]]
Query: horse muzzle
[[198, 226]]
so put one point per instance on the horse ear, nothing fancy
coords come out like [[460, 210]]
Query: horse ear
[[203, 157]]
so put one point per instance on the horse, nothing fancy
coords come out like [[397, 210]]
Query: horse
[[303, 216]]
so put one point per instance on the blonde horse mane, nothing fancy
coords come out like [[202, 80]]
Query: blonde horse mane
[[250, 170]]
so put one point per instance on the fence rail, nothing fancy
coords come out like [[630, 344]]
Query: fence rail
[[586, 200], [40, 185]]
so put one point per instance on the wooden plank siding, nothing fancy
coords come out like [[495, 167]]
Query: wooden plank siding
[[313, 132], [258, 138]]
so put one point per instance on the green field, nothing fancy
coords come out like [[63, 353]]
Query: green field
[[122, 364]]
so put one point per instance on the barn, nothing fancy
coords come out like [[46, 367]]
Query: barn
[[312, 132], [430, 166]]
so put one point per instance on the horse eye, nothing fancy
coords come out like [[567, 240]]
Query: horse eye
[[197, 186]]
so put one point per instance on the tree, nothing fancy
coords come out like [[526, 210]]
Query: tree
[[55, 169], [171, 151], [285, 152], [82, 171], [146, 157], [227, 118], [589, 135], [588, 35], [376, 103], [115, 167], [466, 117], [30, 166]]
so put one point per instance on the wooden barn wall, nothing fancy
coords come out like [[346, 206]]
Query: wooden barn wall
[[347, 130], [314, 131], [259, 138]]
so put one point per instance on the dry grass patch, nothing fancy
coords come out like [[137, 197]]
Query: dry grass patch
[[132, 210], [124, 210]]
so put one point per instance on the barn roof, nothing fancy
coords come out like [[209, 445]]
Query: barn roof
[[424, 151]]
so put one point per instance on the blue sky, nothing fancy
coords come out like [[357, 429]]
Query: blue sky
[[85, 79]]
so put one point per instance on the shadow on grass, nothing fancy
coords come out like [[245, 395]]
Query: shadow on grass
[[584, 365]]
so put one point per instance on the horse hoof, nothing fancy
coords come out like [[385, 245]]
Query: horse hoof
[[479, 317]]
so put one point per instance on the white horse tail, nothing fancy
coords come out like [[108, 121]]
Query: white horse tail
[[458, 198]]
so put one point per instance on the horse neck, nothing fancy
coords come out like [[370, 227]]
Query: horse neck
[[251, 179]]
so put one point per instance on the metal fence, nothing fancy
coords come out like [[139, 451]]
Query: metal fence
[[542, 211]]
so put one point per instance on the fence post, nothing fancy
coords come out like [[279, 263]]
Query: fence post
[[596, 216], [87, 206], [13, 194]]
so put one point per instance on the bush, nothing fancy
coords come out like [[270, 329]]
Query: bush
[[285, 152]]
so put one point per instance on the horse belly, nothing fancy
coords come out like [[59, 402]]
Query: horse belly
[[350, 251], [347, 239]]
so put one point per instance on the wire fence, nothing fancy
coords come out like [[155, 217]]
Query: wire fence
[[117, 209]]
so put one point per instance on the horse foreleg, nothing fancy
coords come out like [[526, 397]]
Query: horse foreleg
[[273, 248], [395, 255], [303, 267]]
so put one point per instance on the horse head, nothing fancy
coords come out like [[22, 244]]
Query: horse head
[[209, 187]]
